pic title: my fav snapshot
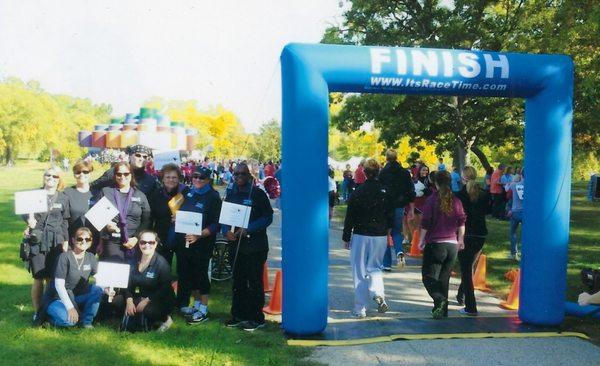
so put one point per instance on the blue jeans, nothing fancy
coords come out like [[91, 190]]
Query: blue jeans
[[396, 236], [515, 219], [89, 301]]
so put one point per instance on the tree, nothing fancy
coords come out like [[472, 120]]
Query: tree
[[267, 142], [462, 124]]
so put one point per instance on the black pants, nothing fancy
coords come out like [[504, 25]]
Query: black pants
[[499, 205], [466, 257], [157, 310], [112, 251], [192, 271], [167, 253], [438, 259], [248, 292]]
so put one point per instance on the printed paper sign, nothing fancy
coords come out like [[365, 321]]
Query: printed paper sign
[[188, 222], [163, 158], [101, 213], [520, 191], [235, 215], [115, 275], [31, 202]]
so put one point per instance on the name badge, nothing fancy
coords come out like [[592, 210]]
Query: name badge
[[135, 199], [190, 194], [248, 202], [199, 205], [150, 275], [115, 235], [57, 205], [87, 267]]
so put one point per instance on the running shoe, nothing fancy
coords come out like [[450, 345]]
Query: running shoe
[[382, 306], [165, 325], [251, 326], [233, 322], [197, 318], [464, 311]]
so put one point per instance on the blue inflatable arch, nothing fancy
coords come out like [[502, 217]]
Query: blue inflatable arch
[[311, 72]]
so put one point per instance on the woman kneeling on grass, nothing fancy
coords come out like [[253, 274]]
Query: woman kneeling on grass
[[149, 294], [73, 299], [443, 218]]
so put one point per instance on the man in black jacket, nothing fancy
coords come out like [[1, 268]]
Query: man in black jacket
[[401, 193], [248, 251], [138, 156]]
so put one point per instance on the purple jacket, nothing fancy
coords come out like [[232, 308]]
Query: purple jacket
[[440, 227]]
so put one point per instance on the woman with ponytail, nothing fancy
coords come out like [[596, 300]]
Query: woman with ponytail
[[477, 204], [443, 218]]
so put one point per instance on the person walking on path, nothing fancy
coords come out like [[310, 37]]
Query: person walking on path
[[401, 192], [476, 204], [367, 223], [442, 235], [497, 192], [516, 194]]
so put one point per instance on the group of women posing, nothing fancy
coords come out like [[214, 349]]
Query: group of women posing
[[451, 225], [65, 244]]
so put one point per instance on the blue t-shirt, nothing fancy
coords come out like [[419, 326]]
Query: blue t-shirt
[[455, 181], [517, 189]]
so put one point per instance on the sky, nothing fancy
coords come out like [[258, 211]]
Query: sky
[[124, 52]]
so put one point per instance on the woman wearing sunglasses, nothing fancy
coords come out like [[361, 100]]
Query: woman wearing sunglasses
[[48, 236], [119, 236], [79, 198], [73, 299], [149, 293], [194, 251]]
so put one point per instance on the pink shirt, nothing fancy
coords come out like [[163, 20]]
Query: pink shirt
[[441, 227], [495, 185], [359, 175]]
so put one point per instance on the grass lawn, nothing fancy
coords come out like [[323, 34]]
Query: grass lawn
[[209, 343], [584, 251]]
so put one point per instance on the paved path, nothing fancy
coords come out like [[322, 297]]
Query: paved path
[[408, 299]]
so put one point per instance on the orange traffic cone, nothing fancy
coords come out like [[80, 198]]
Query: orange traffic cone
[[274, 307], [512, 302], [479, 282], [266, 278], [414, 245], [512, 274]]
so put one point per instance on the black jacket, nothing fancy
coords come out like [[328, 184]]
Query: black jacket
[[209, 205], [475, 211], [398, 184], [369, 212], [261, 216], [154, 282], [52, 226], [160, 218]]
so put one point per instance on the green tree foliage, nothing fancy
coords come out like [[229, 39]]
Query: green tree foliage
[[463, 124], [266, 144], [33, 122]]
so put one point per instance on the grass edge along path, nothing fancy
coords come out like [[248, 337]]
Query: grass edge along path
[[203, 344]]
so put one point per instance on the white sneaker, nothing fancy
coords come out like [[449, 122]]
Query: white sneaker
[[165, 325], [359, 314]]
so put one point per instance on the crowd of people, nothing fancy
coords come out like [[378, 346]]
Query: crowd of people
[[447, 210], [65, 248]]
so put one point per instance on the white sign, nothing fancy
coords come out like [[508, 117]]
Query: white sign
[[29, 202], [154, 140], [101, 213], [188, 222], [115, 275], [162, 158], [520, 191], [235, 215]]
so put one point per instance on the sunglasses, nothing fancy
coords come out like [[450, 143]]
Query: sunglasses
[[199, 176], [239, 174], [122, 174], [138, 155], [144, 242], [51, 175], [81, 240], [84, 172]]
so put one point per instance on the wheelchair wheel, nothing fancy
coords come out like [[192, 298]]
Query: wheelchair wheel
[[220, 265]]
